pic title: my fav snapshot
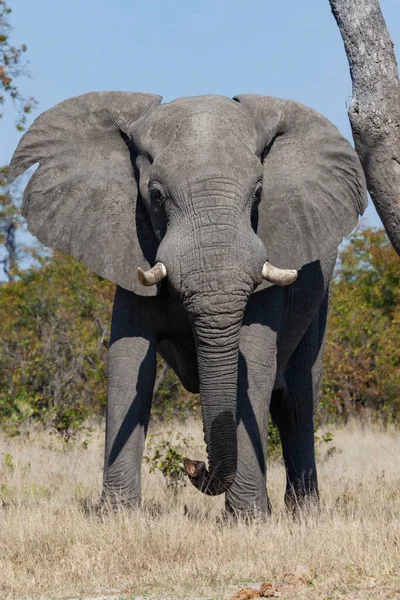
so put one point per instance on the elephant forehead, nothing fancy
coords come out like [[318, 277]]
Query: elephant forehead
[[203, 121]]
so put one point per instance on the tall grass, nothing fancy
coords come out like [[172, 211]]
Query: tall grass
[[52, 544]]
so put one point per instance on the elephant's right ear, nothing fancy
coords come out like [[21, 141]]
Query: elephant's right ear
[[82, 199], [313, 183]]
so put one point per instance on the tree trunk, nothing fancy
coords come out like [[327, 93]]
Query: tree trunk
[[10, 260], [374, 112]]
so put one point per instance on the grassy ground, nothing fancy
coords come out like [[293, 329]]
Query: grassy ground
[[51, 546]]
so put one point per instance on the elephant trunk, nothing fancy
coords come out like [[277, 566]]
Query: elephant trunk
[[217, 356], [217, 268]]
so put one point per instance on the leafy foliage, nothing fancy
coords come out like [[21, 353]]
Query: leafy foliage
[[166, 453], [362, 358], [12, 66]]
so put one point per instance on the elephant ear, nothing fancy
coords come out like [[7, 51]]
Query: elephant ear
[[313, 183], [83, 197]]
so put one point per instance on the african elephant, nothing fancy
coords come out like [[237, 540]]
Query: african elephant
[[219, 220]]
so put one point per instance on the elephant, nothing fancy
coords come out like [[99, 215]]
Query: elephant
[[219, 221]]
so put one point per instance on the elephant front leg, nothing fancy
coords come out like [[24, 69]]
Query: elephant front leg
[[131, 375], [248, 496]]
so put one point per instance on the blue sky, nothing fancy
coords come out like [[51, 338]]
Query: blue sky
[[290, 49]]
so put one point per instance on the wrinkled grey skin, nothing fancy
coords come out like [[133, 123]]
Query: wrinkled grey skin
[[212, 188]]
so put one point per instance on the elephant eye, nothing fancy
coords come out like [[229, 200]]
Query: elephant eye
[[156, 196], [257, 196], [156, 210]]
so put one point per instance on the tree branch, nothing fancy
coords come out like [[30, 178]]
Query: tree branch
[[374, 112]]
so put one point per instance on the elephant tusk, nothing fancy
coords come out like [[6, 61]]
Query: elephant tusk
[[153, 275], [278, 276]]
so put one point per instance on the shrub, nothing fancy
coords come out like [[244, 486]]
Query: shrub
[[53, 340]]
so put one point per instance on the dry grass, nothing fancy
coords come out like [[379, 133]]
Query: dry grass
[[51, 547]]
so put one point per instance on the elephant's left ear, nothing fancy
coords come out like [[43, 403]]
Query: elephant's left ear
[[83, 198], [313, 183]]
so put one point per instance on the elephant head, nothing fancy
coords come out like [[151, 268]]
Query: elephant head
[[200, 192]]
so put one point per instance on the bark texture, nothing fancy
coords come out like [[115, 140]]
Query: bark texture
[[374, 112]]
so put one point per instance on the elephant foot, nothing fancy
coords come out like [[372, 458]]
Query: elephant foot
[[115, 500], [248, 512], [301, 503], [249, 516]]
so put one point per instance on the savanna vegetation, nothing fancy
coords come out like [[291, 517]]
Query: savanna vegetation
[[54, 543]]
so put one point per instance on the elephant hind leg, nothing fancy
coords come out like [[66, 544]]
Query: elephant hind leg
[[292, 410], [296, 429], [182, 358]]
